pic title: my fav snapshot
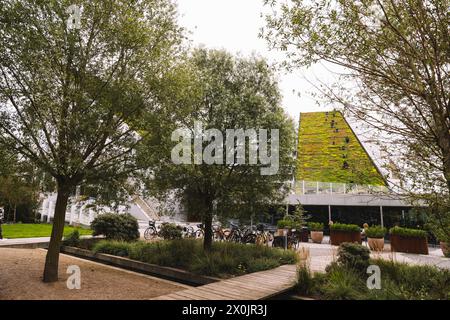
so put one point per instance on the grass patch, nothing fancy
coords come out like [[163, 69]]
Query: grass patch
[[224, 260], [29, 230]]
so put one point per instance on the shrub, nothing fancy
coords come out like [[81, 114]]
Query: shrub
[[315, 226], [343, 284], [345, 227], [113, 226], [188, 254], [288, 224], [72, 239], [408, 233], [377, 232], [116, 248], [170, 231], [414, 281], [353, 256], [305, 281]]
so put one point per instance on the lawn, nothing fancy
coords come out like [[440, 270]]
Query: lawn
[[25, 230]]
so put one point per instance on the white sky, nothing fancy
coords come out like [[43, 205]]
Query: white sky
[[234, 25]]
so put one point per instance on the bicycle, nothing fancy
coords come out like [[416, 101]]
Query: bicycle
[[263, 237], [151, 232]]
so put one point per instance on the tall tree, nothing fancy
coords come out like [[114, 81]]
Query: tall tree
[[394, 59], [220, 92], [73, 76]]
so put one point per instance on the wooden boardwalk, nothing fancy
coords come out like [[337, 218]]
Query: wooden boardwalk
[[253, 286]]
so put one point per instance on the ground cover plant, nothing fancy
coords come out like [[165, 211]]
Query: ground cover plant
[[224, 260], [346, 279]]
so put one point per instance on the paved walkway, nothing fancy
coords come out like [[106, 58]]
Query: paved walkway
[[254, 286], [323, 254], [29, 242]]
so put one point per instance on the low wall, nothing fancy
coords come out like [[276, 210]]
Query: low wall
[[142, 267]]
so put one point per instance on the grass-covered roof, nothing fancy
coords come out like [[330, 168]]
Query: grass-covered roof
[[329, 151]]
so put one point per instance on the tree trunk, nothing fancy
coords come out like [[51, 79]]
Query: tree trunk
[[52, 258], [207, 241], [15, 213]]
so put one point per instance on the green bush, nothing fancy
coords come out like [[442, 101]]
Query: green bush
[[116, 248], [224, 259], [315, 226], [170, 231], [305, 280], [122, 227], [345, 227], [289, 224], [72, 239], [343, 284], [377, 232], [399, 281], [353, 256], [408, 233]]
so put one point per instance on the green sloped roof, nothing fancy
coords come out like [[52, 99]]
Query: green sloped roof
[[345, 160]]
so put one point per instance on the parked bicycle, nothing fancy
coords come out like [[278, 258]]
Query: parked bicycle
[[151, 232]]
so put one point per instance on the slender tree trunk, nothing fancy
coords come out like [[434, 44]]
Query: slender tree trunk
[[207, 221], [15, 212], [52, 258]]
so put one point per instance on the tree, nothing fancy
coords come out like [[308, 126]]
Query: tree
[[71, 86], [394, 59], [220, 92], [19, 187]]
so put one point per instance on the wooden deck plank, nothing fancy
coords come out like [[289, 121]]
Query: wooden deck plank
[[253, 286]]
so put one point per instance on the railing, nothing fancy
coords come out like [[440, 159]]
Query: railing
[[317, 187]]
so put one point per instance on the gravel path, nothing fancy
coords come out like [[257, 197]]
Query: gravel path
[[21, 278]]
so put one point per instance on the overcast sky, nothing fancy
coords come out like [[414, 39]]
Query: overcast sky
[[234, 25]]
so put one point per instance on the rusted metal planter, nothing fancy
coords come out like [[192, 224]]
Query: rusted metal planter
[[338, 237], [445, 247], [409, 244], [376, 244]]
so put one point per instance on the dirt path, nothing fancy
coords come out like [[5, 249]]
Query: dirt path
[[21, 278]]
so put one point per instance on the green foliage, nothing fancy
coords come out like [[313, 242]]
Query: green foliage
[[116, 248], [225, 258], [170, 231], [353, 256], [321, 160], [72, 239], [344, 227], [343, 284], [408, 233], [315, 226], [222, 91], [116, 226], [305, 280], [289, 224], [376, 232], [399, 281]]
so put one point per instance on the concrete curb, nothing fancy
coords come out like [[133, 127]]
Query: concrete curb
[[138, 266]]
